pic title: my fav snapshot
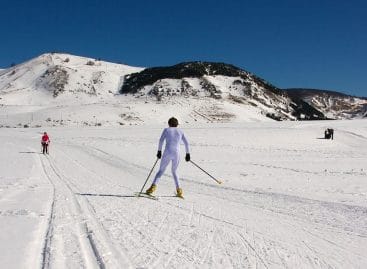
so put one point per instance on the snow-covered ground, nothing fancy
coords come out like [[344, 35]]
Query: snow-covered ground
[[127, 110], [289, 199]]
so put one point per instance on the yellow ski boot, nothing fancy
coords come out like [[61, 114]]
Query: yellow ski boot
[[179, 193], [151, 189]]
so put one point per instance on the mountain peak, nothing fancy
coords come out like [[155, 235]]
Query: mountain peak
[[74, 78], [196, 69]]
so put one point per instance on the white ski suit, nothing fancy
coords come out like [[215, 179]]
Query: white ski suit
[[173, 137]]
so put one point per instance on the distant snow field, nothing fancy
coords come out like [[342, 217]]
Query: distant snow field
[[289, 198]]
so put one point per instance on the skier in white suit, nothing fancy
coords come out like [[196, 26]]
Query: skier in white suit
[[173, 136]]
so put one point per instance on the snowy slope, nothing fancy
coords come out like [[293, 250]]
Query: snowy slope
[[71, 78], [61, 89], [288, 199]]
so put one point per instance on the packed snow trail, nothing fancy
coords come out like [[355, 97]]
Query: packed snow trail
[[93, 242], [288, 199]]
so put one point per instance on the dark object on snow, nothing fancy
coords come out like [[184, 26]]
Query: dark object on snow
[[159, 154], [329, 134], [187, 157], [173, 122], [44, 147]]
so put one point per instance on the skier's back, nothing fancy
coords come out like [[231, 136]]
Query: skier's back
[[173, 137]]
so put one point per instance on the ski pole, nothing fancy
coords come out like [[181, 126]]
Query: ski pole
[[151, 170], [216, 180]]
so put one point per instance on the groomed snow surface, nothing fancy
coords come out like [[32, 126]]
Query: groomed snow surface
[[289, 199]]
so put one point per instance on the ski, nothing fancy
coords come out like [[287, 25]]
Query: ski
[[145, 195]]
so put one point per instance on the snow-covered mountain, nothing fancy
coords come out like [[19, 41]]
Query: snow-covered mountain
[[70, 78], [333, 104], [218, 81], [55, 88], [62, 89]]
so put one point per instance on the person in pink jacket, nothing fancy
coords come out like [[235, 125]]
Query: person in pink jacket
[[45, 141]]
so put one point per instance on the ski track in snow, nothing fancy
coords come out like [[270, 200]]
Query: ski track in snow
[[75, 226], [95, 221], [92, 239], [47, 242]]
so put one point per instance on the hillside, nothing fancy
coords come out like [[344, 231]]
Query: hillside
[[70, 78], [333, 104], [218, 81]]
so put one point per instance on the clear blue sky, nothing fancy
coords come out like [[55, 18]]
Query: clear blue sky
[[290, 43]]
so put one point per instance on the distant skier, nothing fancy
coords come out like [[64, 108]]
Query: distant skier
[[329, 134], [326, 134], [173, 136], [45, 141]]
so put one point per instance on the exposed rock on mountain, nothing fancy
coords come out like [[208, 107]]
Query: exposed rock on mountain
[[333, 104]]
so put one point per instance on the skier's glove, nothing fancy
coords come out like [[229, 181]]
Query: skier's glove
[[187, 157], [159, 154]]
